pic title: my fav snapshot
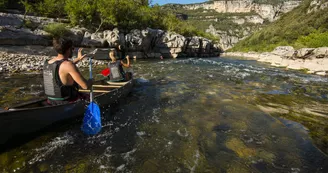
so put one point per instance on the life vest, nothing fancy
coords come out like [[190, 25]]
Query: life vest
[[116, 71], [53, 87]]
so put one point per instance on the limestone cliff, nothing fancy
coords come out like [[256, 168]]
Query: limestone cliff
[[266, 11], [234, 20]]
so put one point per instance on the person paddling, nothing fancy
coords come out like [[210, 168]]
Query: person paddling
[[120, 50], [61, 76], [117, 73]]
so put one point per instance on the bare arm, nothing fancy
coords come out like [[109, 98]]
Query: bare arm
[[79, 56], [76, 60], [76, 75], [128, 62]]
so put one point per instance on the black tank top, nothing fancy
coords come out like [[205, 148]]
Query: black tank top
[[53, 86]]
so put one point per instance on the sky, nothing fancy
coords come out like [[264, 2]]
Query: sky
[[161, 2]]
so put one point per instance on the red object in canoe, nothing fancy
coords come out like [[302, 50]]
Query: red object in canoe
[[105, 72]]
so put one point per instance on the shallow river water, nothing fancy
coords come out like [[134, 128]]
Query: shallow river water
[[188, 115]]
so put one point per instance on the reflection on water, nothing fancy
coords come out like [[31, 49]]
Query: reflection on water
[[191, 115]]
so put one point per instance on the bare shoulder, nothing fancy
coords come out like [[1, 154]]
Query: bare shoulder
[[52, 60], [68, 65]]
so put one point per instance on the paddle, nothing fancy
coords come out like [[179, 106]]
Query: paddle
[[92, 120]]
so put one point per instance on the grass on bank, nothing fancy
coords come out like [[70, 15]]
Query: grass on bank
[[57, 30], [296, 28]]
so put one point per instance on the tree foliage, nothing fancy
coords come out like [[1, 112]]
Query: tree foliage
[[3, 3], [81, 12], [107, 14], [51, 8], [57, 30]]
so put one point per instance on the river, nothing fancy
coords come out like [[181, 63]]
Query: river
[[188, 115]]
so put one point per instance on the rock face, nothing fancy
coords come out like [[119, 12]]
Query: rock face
[[304, 52], [284, 51], [153, 43], [255, 14], [140, 43], [254, 19], [317, 5], [227, 39], [17, 19], [248, 23], [266, 11], [11, 36], [147, 43]]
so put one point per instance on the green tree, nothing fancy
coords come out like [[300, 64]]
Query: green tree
[[3, 4], [28, 7], [106, 10], [57, 30], [127, 14], [106, 14], [81, 12], [51, 8]]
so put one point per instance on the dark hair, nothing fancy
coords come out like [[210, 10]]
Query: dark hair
[[62, 45]]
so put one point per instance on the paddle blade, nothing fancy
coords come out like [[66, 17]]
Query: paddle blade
[[92, 120], [105, 72]]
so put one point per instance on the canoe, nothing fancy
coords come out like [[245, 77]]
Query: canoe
[[35, 115]]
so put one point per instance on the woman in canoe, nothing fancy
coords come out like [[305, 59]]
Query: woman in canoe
[[115, 66]]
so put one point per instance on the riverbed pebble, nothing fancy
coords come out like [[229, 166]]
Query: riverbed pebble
[[14, 63]]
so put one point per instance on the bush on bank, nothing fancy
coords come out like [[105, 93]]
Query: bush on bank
[[298, 28], [107, 14]]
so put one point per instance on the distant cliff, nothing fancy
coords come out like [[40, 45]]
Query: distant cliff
[[304, 27], [266, 11], [233, 20]]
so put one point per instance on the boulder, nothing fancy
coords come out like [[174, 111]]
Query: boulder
[[165, 51], [77, 35], [8, 19], [254, 19], [304, 52], [151, 39], [321, 52], [172, 40], [113, 37], [153, 55], [239, 21], [194, 42], [93, 40], [175, 50], [12, 36], [134, 40], [317, 5], [284, 51]]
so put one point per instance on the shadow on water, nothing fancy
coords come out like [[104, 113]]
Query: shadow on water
[[52, 130]]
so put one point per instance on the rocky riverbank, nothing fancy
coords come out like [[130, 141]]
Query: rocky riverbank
[[151, 42], [25, 45], [312, 60], [29, 62]]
